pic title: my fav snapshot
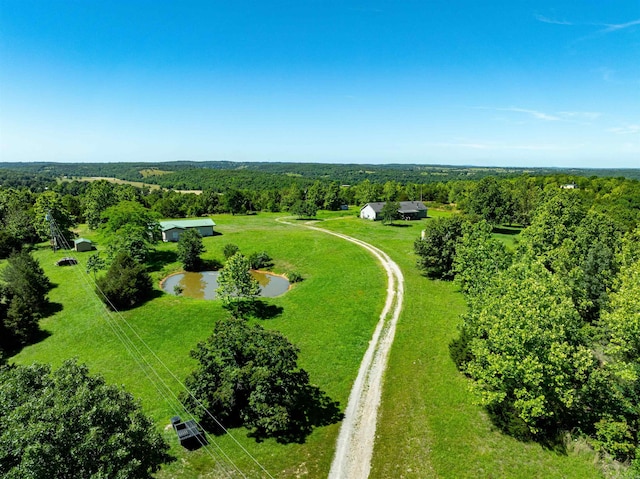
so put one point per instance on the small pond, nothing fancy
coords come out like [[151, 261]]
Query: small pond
[[203, 285]]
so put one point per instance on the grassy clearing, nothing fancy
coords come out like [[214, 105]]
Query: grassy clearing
[[508, 235], [154, 172], [330, 316], [428, 425], [117, 181]]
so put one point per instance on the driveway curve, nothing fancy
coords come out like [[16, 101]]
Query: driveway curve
[[354, 449]]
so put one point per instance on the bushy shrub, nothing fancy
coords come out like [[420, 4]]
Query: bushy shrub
[[294, 277], [260, 260], [126, 283], [229, 250]]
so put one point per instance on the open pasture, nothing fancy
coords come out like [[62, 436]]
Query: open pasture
[[428, 425]]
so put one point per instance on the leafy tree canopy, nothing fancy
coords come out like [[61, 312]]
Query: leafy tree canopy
[[129, 214], [437, 247], [190, 248], [390, 212], [69, 424], [23, 300], [131, 227], [304, 209], [478, 258], [527, 357], [248, 376], [49, 207], [490, 201], [125, 284], [236, 285]]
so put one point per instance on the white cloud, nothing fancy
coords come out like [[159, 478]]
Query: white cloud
[[619, 26], [552, 21], [534, 113], [609, 27], [625, 130], [581, 115], [569, 116]]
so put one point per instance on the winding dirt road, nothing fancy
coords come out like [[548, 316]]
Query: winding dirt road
[[355, 443]]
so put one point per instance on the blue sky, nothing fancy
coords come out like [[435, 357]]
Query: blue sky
[[515, 83]]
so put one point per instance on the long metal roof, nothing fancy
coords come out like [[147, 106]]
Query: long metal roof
[[184, 224]]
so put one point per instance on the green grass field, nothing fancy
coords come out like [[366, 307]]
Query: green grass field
[[428, 425]]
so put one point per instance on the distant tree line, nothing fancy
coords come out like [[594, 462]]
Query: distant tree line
[[511, 201], [198, 175]]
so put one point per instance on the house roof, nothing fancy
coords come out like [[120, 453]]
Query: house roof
[[377, 206], [184, 224], [81, 240], [405, 206], [412, 206]]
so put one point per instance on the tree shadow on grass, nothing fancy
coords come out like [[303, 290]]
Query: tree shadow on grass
[[263, 310], [158, 259], [507, 421], [123, 306], [11, 349], [51, 308], [210, 265], [258, 309], [313, 409], [309, 408], [399, 225], [514, 230], [12, 345]]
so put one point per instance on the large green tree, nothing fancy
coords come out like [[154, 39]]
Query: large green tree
[[125, 284], [71, 424], [615, 392], [129, 226], [554, 220], [332, 201], [489, 200], [304, 209], [316, 194], [49, 209], [236, 287], [478, 258], [248, 376], [527, 356], [366, 192], [16, 220], [437, 246], [97, 198], [190, 248], [390, 212], [24, 299]]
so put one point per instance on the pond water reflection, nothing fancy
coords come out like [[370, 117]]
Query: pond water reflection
[[203, 285]]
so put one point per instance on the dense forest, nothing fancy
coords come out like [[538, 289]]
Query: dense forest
[[219, 175]]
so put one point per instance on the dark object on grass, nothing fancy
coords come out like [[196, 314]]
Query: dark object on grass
[[68, 261], [189, 435]]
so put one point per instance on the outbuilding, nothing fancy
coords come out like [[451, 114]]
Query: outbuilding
[[82, 244], [173, 229]]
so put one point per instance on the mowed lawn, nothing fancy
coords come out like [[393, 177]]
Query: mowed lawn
[[330, 316], [428, 426]]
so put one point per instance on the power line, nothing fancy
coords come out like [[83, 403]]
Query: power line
[[145, 366]]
